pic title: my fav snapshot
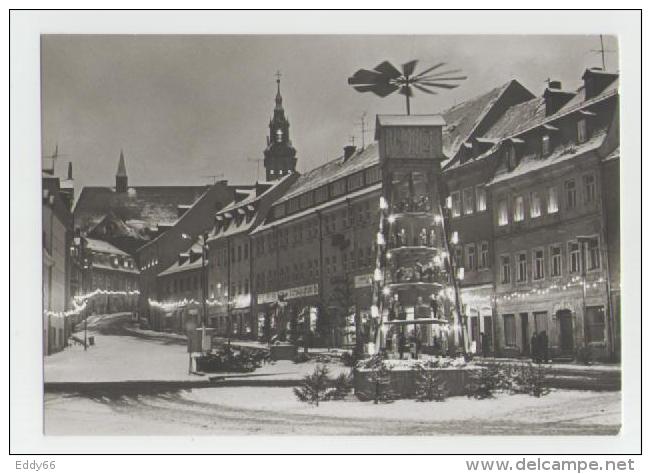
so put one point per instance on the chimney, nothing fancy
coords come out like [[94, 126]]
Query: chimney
[[595, 80], [349, 150], [70, 170], [555, 97]]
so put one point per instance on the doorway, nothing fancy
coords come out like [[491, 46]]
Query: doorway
[[566, 331], [524, 333]]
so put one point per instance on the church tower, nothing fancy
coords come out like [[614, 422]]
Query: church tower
[[280, 155], [121, 179]]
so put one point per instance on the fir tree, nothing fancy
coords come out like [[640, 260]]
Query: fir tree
[[429, 385], [314, 387]]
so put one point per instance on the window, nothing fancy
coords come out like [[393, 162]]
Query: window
[[338, 187], [518, 209], [483, 255], [593, 254], [456, 204], [546, 145], [468, 198], [589, 188], [535, 205], [570, 194], [521, 267], [538, 264], [595, 324], [355, 181], [581, 131], [480, 194], [509, 330], [575, 257], [373, 175], [505, 269], [540, 321], [470, 257], [552, 200], [555, 263], [502, 213], [321, 194]]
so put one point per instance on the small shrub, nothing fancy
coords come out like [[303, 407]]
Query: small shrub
[[429, 385], [584, 355], [488, 380], [340, 387], [530, 379], [314, 387], [380, 378], [301, 357]]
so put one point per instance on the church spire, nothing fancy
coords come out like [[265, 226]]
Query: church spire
[[121, 179], [280, 155], [279, 98]]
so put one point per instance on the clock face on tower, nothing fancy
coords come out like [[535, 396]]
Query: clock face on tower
[[279, 135]]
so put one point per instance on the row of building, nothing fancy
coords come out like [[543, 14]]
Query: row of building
[[532, 186]]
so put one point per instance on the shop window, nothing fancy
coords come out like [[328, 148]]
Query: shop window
[[540, 321], [595, 323], [509, 330]]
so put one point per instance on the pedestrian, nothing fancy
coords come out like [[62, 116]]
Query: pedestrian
[[544, 347], [534, 347], [401, 343]]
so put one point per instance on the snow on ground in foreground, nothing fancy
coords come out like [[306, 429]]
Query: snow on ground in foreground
[[559, 405]]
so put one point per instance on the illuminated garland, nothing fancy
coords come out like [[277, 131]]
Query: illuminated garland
[[555, 287], [79, 302]]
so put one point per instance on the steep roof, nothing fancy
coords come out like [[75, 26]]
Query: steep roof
[[145, 205], [122, 168], [519, 117], [103, 247], [177, 267]]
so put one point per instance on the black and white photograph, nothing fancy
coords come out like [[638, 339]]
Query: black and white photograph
[[307, 235]]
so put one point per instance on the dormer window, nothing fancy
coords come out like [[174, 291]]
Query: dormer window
[[546, 145], [511, 157], [581, 130]]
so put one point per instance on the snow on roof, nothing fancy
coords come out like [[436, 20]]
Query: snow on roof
[[333, 170], [186, 265], [104, 247], [613, 155], [531, 163]]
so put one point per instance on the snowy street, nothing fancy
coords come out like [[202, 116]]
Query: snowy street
[[128, 406]]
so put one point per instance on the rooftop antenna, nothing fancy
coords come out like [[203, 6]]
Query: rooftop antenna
[[54, 156], [385, 79], [603, 52], [352, 140], [257, 160]]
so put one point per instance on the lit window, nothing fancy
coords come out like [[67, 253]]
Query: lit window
[[552, 200], [483, 255], [589, 188], [481, 198], [593, 254], [539, 264], [468, 197], [575, 257], [581, 131], [555, 264], [518, 209], [522, 267], [502, 213], [570, 193], [535, 206], [456, 204], [505, 269]]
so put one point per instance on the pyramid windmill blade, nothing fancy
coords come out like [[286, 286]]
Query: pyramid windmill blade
[[408, 67], [429, 69], [438, 84], [364, 76], [450, 78], [424, 89], [381, 90], [443, 73], [388, 69]]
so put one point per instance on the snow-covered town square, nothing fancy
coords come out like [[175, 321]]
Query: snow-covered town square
[[401, 238]]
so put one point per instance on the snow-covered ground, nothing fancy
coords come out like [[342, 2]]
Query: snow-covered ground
[[246, 410]]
